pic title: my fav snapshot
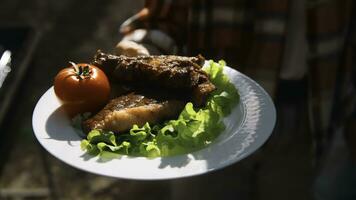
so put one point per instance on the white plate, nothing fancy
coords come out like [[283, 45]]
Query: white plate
[[247, 128]]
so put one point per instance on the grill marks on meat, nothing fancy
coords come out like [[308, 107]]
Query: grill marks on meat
[[176, 73], [121, 113]]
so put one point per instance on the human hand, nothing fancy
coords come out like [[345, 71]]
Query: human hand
[[135, 22]]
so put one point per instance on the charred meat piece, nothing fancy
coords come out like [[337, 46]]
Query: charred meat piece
[[121, 113], [175, 73]]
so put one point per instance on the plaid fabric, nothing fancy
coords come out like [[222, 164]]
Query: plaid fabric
[[251, 35], [327, 29]]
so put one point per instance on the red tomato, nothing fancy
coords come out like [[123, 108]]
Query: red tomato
[[82, 88]]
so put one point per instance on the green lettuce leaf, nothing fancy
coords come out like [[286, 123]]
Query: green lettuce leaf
[[192, 130]]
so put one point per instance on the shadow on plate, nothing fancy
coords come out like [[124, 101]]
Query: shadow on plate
[[174, 161], [86, 156], [58, 127]]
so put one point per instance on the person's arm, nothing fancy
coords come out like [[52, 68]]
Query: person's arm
[[159, 28]]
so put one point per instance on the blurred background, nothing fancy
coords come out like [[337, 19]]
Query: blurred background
[[301, 52]]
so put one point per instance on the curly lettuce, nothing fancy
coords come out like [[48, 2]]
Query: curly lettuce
[[191, 131]]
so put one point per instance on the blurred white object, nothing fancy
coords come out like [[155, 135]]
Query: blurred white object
[[137, 35], [155, 42], [5, 61], [130, 48]]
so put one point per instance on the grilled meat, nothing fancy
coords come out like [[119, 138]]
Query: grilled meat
[[121, 113], [176, 73]]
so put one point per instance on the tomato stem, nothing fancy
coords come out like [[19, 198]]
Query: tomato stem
[[86, 70], [81, 72]]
